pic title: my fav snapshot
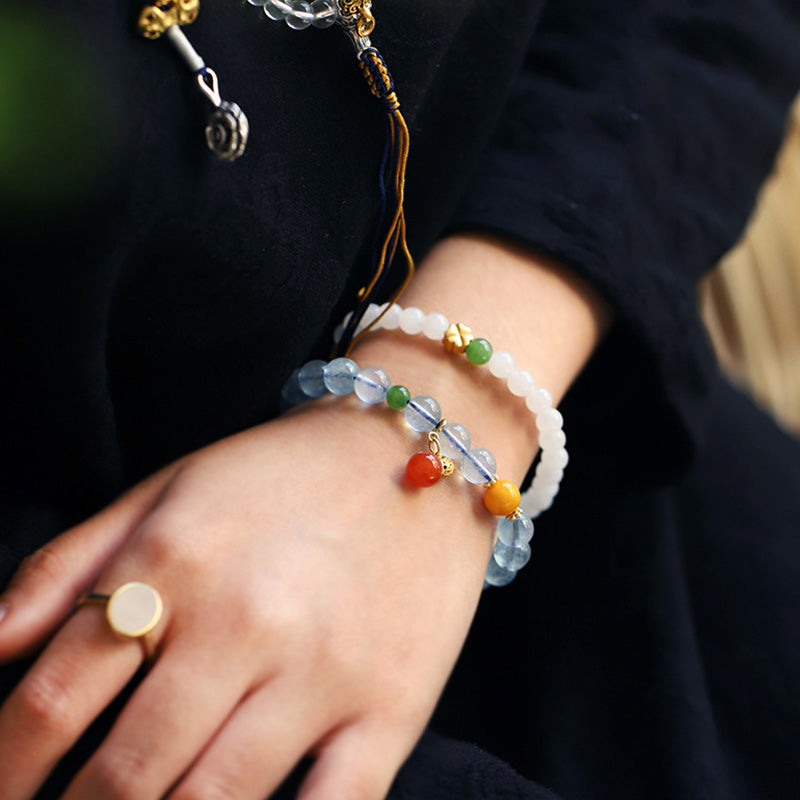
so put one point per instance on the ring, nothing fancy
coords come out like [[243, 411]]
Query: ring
[[133, 611]]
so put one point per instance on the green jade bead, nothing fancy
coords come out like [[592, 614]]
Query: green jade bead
[[478, 351], [397, 397]]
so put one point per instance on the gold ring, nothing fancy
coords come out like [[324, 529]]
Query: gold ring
[[133, 611]]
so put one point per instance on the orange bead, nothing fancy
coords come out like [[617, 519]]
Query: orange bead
[[501, 498], [423, 469]]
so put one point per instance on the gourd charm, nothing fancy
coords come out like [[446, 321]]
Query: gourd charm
[[227, 128]]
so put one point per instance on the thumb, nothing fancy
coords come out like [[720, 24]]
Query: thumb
[[43, 591]]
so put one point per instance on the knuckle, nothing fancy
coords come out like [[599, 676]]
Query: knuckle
[[171, 539], [117, 774], [217, 787], [45, 703], [44, 564]]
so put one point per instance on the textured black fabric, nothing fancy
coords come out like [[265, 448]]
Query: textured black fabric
[[154, 300]]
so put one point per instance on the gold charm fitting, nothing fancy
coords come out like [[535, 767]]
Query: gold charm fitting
[[361, 13], [457, 337], [448, 466], [163, 14]]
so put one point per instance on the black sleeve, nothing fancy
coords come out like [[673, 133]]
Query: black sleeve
[[631, 149]]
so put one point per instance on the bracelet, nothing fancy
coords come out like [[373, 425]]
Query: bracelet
[[448, 443], [298, 14], [458, 338]]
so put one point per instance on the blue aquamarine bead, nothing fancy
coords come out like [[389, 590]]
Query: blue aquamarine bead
[[291, 394], [340, 375], [325, 13], [371, 385], [512, 558], [455, 440], [301, 15], [423, 413], [311, 378], [276, 9], [497, 575], [516, 531], [479, 466]]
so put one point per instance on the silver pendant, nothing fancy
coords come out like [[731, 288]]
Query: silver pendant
[[227, 128]]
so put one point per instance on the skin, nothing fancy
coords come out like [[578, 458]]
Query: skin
[[337, 597]]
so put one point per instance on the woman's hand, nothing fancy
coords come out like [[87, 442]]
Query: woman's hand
[[312, 604]]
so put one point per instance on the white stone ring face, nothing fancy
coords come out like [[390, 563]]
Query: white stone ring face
[[133, 610]]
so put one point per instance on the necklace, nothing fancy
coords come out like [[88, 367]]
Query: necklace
[[356, 19], [227, 128]]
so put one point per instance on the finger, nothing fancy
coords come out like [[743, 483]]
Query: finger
[[44, 589], [76, 677], [359, 763], [171, 717], [258, 746]]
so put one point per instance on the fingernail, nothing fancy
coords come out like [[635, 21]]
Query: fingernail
[[3, 611]]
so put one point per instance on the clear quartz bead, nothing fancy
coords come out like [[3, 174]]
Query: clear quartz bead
[[521, 383], [479, 466], [411, 320], [516, 531], [311, 380], [291, 394], [276, 9], [300, 16], [497, 575], [454, 440], [391, 319], [325, 13], [501, 364], [423, 413], [434, 326], [339, 375], [371, 385], [549, 420], [512, 558]]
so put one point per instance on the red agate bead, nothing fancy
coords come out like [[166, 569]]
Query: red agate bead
[[423, 469]]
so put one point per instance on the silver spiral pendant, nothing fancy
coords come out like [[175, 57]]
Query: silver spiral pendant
[[227, 131]]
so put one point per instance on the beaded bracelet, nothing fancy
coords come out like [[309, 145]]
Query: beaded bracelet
[[298, 14], [448, 443], [458, 338]]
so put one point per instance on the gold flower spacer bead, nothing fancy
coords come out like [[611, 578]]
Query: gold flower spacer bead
[[163, 14], [457, 337], [448, 466]]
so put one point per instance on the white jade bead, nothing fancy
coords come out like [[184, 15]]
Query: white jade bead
[[370, 315], [555, 458], [391, 319], [538, 400], [434, 326], [543, 492], [411, 320], [533, 507], [521, 383], [552, 440], [548, 474], [501, 364], [549, 420]]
